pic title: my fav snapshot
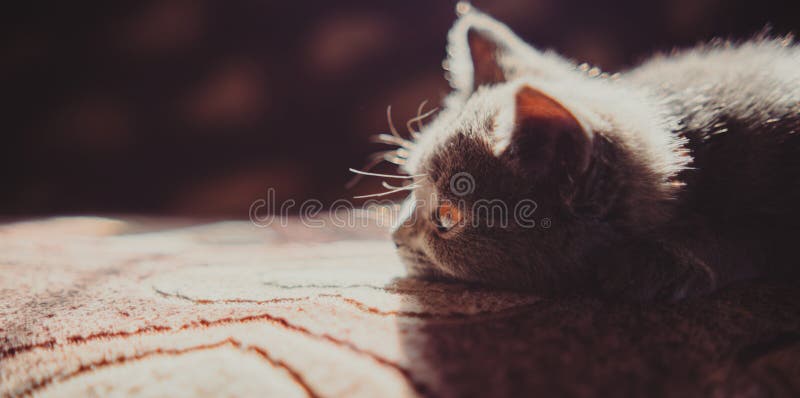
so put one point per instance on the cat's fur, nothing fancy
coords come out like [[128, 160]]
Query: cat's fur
[[665, 181]]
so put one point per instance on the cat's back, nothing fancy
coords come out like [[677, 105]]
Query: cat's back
[[739, 107], [757, 79]]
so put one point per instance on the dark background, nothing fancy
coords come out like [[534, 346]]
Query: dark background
[[197, 107]]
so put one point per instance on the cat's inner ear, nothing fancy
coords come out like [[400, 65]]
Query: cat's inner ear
[[480, 52], [484, 54], [547, 140]]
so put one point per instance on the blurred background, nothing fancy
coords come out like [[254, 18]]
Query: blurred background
[[196, 107]]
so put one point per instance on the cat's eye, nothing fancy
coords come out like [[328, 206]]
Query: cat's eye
[[446, 216]]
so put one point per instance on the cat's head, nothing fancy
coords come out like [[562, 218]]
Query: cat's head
[[531, 164]]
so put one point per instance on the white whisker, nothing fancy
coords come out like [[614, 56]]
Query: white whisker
[[383, 155], [391, 124], [385, 175], [356, 178], [395, 160], [390, 186], [419, 118], [389, 156], [392, 140], [380, 194], [416, 119]]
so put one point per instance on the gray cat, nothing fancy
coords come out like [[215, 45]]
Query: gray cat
[[663, 182]]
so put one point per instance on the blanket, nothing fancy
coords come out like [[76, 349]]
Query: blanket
[[93, 306]]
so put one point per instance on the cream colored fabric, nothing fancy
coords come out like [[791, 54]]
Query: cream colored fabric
[[168, 308]]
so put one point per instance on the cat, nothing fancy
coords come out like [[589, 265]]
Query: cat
[[662, 182]]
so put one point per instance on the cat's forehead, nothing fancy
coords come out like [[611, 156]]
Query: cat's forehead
[[464, 131]]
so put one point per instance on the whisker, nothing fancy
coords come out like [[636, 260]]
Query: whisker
[[385, 175], [392, 140], [424, 116], [391, 124], [383, 155], [419, 118], [389, 156], [415, 119], [397, 156], [380, 194], [421, 106], [356, 178], [419, 111], [396, 160], [390, 186], [393, 156]]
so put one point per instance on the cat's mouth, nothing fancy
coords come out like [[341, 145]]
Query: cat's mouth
[[416, 261], [413, 254]]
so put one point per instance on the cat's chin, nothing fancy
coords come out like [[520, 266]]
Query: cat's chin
[[418, 265]]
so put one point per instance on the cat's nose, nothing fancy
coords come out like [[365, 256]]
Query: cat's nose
[[396, 240], [404, 230], [398, 237]]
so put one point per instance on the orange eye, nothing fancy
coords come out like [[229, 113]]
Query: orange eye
[[447, 216]]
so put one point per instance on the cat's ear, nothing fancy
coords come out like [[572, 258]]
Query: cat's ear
[[483, 51], [547, 140], [484, 54], [476, 48]]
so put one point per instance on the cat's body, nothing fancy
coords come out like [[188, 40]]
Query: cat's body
[[736, 215], [666, 181]]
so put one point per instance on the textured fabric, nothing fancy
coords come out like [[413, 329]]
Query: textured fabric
[[104, 307]]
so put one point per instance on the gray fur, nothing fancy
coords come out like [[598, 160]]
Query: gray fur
[[693, 179]]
